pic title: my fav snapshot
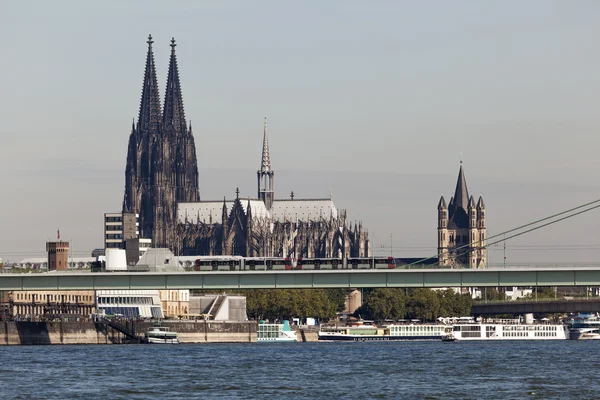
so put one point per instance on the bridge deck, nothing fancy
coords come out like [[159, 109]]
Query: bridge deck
[[428, 278]]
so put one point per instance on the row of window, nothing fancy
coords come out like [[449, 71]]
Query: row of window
[[124, 300], [52, 297], [399, 330]]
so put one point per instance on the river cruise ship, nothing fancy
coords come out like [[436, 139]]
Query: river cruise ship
[[161, 335], [275, 332], [389, 332], [584, 327], [492, 331]]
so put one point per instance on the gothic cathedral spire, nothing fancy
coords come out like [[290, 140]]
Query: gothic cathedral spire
[[266, 176], [150, 113], [265, 165], [173, 113], [161, 160], [184, 162]]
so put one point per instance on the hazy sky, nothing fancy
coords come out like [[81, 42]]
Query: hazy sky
[[375, 100]]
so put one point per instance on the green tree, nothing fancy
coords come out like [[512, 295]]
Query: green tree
[[383, 304], [492, 294], [543, 293], [423, 304], [279, 304], [453, 304]]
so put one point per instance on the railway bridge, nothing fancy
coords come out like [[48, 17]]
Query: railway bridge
[[298, 279]]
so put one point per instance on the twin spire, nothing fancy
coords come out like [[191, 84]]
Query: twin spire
[[151, 116]]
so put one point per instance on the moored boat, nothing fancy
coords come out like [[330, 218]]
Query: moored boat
[[385, 333], [267, 332], [584, 327], [584, 334], [491, 331], [161, 335]]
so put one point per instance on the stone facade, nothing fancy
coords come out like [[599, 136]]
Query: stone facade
[[34, 304], [461, 228], [175, 303], [161, 185], [268, 227], [161, 158]]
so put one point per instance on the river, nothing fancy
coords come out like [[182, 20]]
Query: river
[[422, 370]]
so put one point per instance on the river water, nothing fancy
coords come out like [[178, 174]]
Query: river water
[[421, 370]]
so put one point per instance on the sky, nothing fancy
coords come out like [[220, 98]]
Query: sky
[[376, 102]]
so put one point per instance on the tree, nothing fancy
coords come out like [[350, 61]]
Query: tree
[[493, 294], [383, 304], [453, 304], [423, 304], [279, 304]]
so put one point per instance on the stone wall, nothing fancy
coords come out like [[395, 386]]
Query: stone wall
[[40, 333], [24, 332]]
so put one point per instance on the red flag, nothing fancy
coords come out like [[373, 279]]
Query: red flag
[[58, 233]]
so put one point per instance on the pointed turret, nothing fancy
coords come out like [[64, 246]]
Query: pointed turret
[[265, 175], [265, 165], [459, 204], [173, 113], [480, 204], [224, 213], [461, 194], [471, 203], [150, 113], [442, 204]]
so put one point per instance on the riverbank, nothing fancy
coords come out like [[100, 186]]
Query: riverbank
[[89, 332]]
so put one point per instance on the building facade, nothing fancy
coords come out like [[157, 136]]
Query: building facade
[[265, 226], [118, 227], [35, 304], [461, 228], [130, 303], [161, 185], [121, 231], [175, 303], [161, 165], [58, 255]]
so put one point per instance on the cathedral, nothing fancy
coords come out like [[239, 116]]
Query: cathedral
[[461, 228], [161, 185]]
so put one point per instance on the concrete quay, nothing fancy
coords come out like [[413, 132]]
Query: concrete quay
[[89, 332]]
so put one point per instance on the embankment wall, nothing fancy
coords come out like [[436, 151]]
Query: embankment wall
[[43, 333]]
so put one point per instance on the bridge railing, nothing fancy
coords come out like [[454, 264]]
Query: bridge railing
[[544, 300]]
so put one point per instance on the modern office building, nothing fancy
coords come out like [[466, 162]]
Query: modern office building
[[130, 303]]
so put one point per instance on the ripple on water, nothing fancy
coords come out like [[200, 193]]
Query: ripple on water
[[425, 370]]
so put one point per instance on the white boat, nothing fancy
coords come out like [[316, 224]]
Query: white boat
[[491, 331], [584, 334], [387, 333], [161, 334], [584, 327], [275, 332]]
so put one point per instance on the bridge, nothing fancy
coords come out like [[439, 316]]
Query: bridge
[[541, 306], [298, 279]]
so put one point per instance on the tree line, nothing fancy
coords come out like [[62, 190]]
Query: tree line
[[378, 304], [422, 304]]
